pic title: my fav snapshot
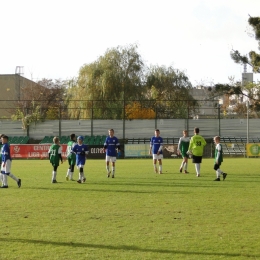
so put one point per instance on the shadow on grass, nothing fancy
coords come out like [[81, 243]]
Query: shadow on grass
[[123, 247]]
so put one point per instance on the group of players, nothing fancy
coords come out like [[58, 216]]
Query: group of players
[[194, 147], [77, 152]]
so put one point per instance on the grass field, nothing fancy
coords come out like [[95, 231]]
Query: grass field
[[137, 215]]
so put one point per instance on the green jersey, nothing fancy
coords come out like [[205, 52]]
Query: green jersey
[[218, 154], [183, 145], [71, 156], [197, 144], [54, 154]]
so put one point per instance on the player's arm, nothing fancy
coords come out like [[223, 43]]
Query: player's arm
[[179, 146], [60, 154], [218, 153]]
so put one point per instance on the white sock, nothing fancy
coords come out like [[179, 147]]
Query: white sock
[[12, 176], [113, 170], [107, 168], [68, 173], [54, 174], [197, 167], [218, 172], [182, 164], [160, 168], [71, 175], [5, 180], [155, 168], [186, 166]]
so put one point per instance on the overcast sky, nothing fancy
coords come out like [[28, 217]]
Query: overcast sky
[[54, 38]]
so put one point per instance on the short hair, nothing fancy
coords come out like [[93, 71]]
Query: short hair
[[217, 137], [157, 130], [196, 130], [56, 139], [111, 130], [4, 137], [72, 136]]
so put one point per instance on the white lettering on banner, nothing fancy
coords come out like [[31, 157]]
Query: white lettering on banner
[[41, 147], [33, 154], [97, 150]]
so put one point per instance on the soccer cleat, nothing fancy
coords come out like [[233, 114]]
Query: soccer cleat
[[224, 176], [113, 176], [186, 171], [78, 181], [84, 179], [54, 181], [160, 172], [180, 170], [217, 179], [4, 186], [67, 178], [198, 175], [155, 171], [19, 183], [108, 174]]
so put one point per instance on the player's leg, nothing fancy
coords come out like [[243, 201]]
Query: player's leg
[[54, 174], [107, 165], [69, 170], [160, 165], [185, 164], [154, 163], [8, 172], [83, 174], [113, 166]]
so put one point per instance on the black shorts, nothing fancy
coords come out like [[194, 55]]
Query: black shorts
[[196, 159], [216, 166]]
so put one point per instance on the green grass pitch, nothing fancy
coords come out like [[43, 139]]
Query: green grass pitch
[[136, 215]]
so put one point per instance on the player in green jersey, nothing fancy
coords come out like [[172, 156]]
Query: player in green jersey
[[218, 159], [196, 148], [182, 149], [55, 157], [71, 157]]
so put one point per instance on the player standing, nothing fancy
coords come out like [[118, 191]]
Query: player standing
[[71, 157], [6, 163], [156, 146], [196, 148], [218, 159], [110, 146], [55, 157], [183, 147], [81, 151]]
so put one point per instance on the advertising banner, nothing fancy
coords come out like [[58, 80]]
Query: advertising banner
[[40, 151], [253, 149]]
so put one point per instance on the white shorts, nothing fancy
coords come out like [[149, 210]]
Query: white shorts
[[7, 167], [157, 157], [110, 158], [80, 166]]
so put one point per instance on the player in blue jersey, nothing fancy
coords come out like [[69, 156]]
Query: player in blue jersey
[[156, 147], [6, 163], [111, 146], [81, 151]]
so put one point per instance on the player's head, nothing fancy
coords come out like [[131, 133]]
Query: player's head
[[56, 140], [72, 137], [4, 139], [111, 132], [216, 139], [196, 130], [157, 132], [185, 133], [80, 139]]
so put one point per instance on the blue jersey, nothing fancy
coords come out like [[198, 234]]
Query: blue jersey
[[80, 151], [156, 143], [5, 152], [110, 145]]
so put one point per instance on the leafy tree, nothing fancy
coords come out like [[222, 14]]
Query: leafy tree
[[254, 58], [104, 85], [169, 89], [136, 111]]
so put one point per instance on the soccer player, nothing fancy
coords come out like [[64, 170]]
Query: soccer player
[[156, 146], [81, 151], [182, 149], [55, 157], [218, 159], [196, 148], [6, 163], [110, 146], [71, 157]]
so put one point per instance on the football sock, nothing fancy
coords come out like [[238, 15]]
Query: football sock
[[108, 168], [197, 167], [186, 166], [68, 173], [160, 168], [113, 170], [155, 168], [5, 180], [71, 175], [219, 172], [54, 175], [13, 177], [182, 164]]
